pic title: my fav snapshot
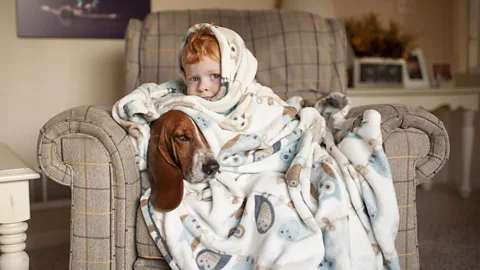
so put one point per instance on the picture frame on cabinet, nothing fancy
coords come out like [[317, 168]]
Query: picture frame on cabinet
[[417, 74], [378, 72], [442, 74]]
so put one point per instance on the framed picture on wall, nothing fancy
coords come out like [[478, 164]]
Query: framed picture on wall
[[417, 75], [78, 18]]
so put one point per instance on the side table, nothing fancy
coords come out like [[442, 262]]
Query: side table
[[466, 99], [15, 210]]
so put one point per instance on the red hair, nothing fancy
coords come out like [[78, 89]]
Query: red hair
[[199, 44]]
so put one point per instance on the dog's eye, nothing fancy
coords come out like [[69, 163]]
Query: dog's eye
[[182, 138]]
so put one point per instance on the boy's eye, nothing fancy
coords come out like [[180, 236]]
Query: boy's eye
[[193, 79], [215, 76]]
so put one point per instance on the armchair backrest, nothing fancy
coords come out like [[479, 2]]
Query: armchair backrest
[[298, 53]]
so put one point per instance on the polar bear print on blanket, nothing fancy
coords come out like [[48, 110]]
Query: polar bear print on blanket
[[241, 118], [289, 231]]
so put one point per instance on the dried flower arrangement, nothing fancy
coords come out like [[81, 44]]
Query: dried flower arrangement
[[370, 39]]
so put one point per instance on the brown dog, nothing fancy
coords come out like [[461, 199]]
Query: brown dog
[[177, 150]]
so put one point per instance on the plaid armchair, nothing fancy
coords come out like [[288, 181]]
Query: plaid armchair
[[298, 53]]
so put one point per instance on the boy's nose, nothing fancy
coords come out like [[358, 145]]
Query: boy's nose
[[203, 87]]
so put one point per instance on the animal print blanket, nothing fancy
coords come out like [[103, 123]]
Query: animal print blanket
[[293, 192]]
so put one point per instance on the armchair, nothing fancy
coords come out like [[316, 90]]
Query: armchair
[[298, 53]]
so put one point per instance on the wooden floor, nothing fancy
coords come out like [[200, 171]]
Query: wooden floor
[[48, 228]]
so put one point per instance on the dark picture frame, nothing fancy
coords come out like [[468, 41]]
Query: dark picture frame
[[442, 74], [378, 72], [78, 18]]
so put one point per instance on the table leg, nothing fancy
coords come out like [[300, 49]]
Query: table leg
[[427, 185], [467, 148], [12, 245], [444, 115]]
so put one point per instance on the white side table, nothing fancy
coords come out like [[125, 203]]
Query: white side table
[[430, 99], [15, 210]]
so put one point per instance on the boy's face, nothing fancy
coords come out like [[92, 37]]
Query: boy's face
[[203, 78]]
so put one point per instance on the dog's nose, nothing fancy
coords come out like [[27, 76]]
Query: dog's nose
[[211, 167]]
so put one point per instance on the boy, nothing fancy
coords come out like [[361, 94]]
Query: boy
[[201, 63]]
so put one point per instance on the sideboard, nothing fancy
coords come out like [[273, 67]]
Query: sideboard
[[466, 99]]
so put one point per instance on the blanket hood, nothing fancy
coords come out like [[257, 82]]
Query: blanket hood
[[238, 64]]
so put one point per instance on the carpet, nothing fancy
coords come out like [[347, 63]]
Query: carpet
[[448, 228]]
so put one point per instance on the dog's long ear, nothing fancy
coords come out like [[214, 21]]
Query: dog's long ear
[[165, 177]]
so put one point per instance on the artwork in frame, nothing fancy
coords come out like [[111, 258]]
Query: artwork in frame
[[378, 72], [442, 74], [417, 75], [78, 18]]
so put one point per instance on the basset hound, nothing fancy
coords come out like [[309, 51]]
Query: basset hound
[[177, 150]]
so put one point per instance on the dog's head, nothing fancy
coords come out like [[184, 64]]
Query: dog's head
[[177, 150]]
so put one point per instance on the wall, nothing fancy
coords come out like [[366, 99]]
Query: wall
[[45, 76], [429, 20]]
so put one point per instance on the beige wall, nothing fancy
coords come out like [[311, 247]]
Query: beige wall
[[42, 77], [429, 20]]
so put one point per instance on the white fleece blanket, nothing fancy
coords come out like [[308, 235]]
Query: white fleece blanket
[[288, 195]]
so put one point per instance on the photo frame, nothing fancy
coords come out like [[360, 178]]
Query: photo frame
[[417, 75], [78, 18], [442, 74], [378, 72]]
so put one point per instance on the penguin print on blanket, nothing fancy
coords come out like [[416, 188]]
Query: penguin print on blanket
[[325, 265], [261, 154], [324, 179], [244, 263], [370, 202], [328, 261], [210, 260], [202, 121], [287, 153], [237, 232], [264, 214], [192, 231], [379, 162], [241, 118], [235, 151]]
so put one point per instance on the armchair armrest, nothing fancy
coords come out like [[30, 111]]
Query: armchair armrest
[[428, 143], [85, 149]]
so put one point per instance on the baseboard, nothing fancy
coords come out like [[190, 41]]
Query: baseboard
[[50, 205]]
